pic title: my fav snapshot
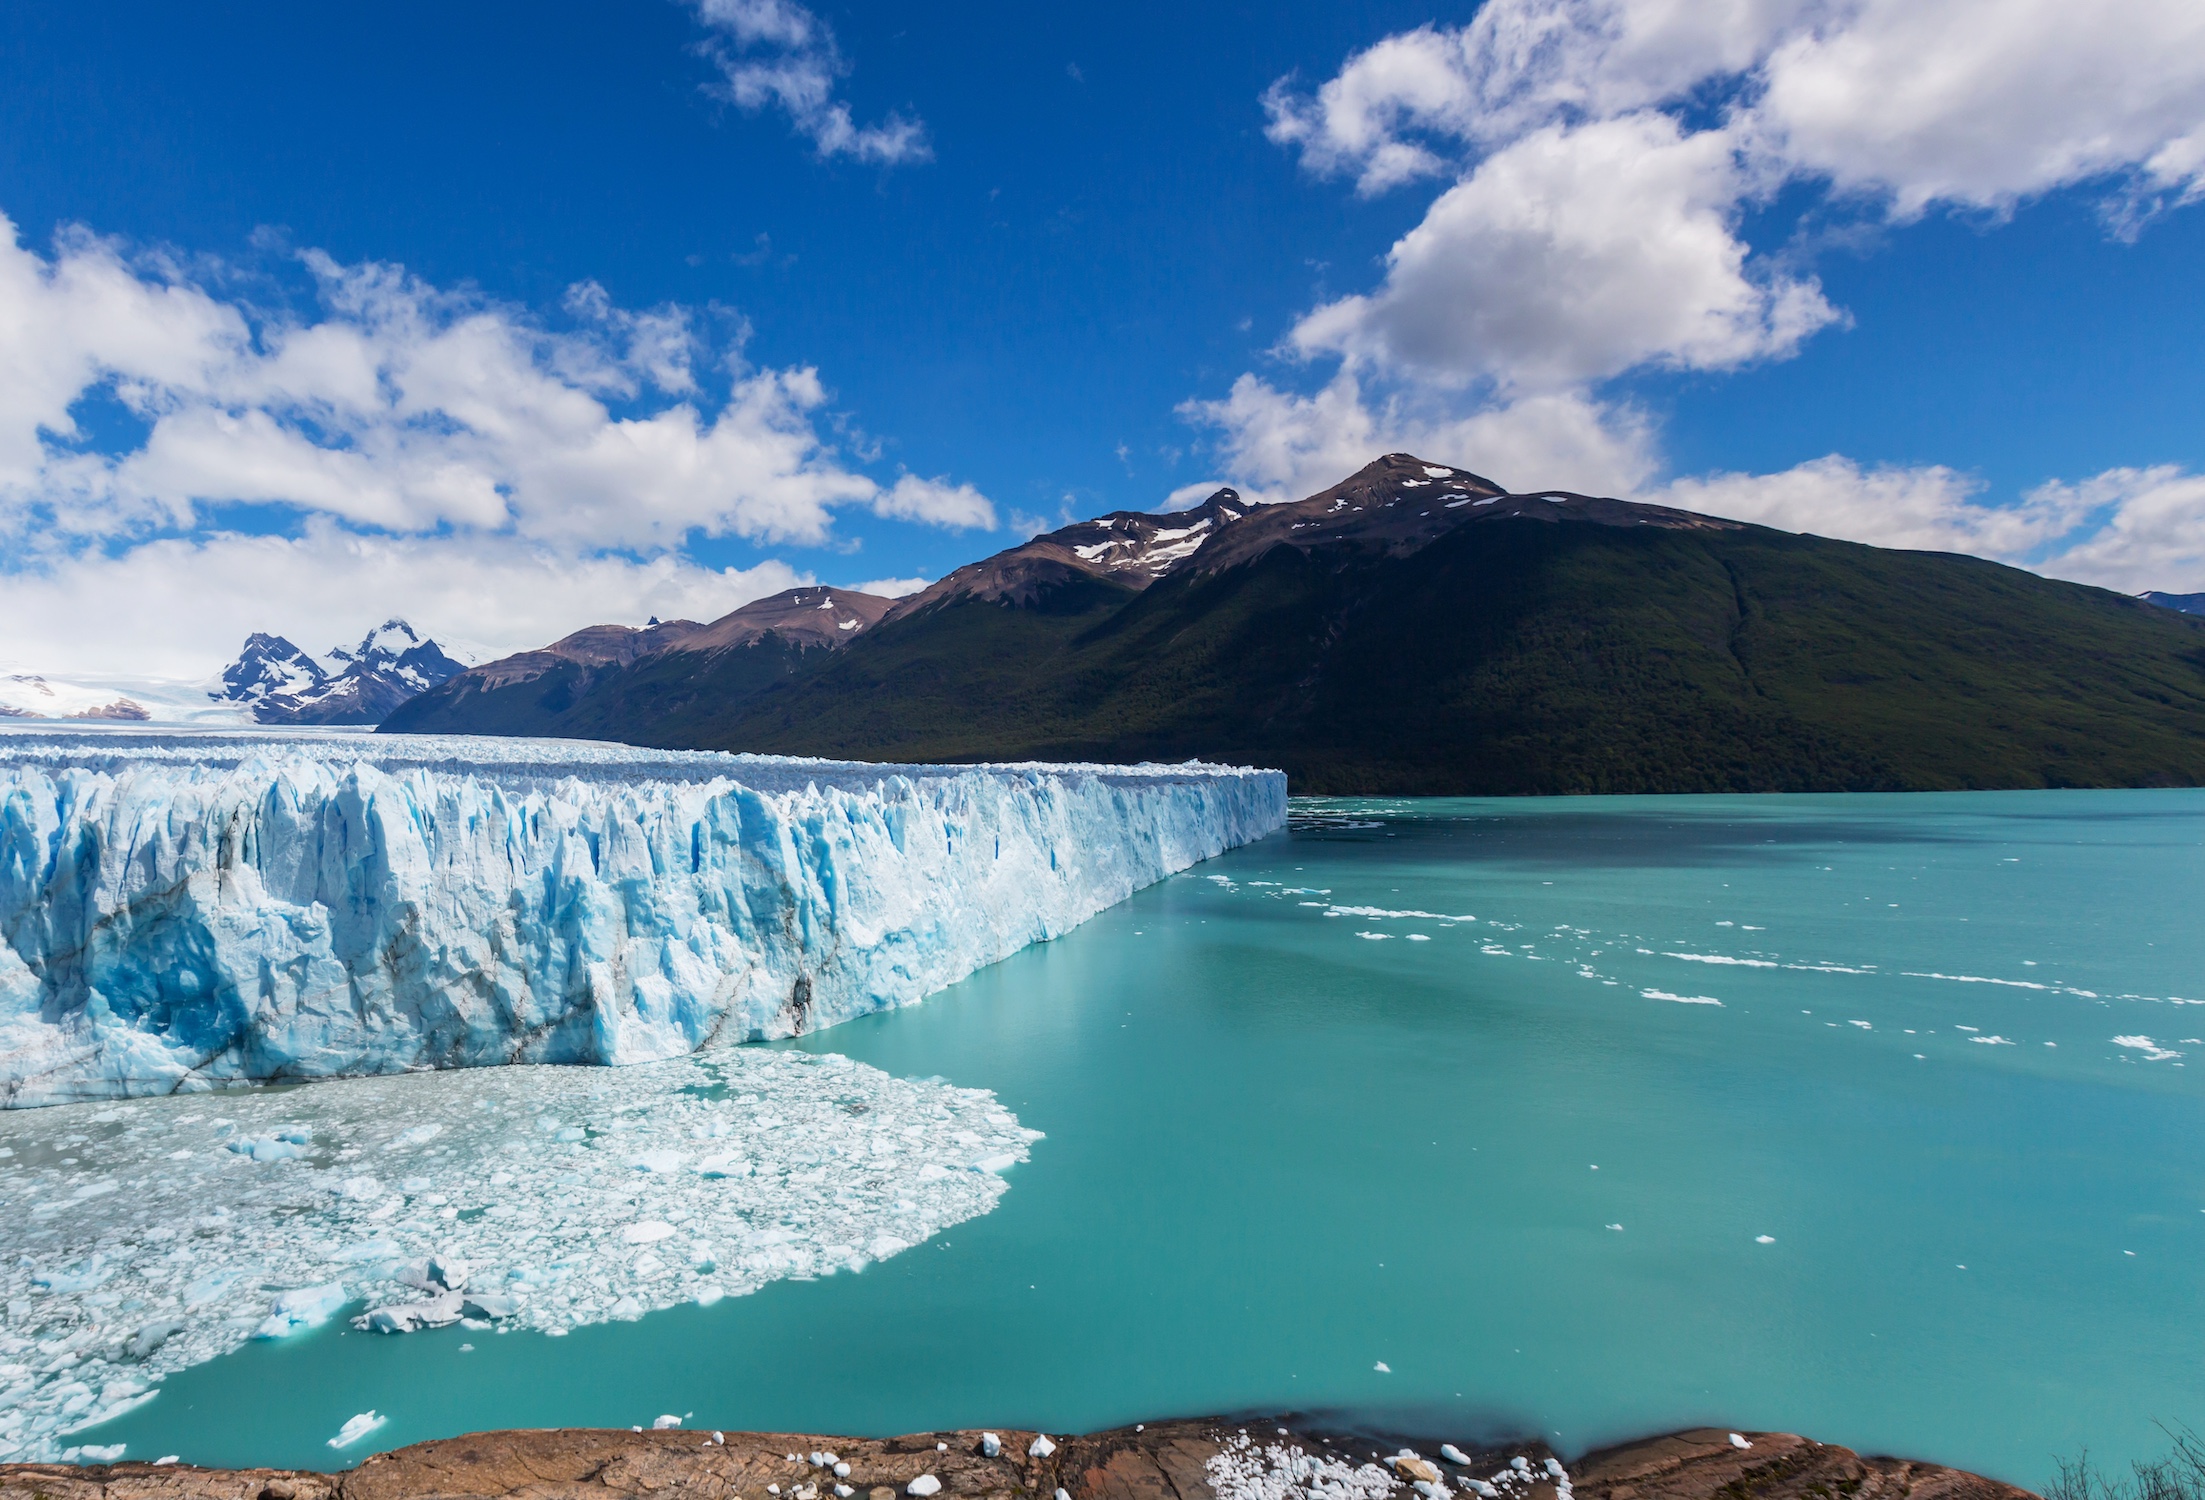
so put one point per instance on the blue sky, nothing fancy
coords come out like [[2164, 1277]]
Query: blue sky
[[869, 291]]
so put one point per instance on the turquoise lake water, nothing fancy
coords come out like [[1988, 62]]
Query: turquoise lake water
[[1902, 1188]]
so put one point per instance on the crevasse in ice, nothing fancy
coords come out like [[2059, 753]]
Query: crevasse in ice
[[178, 910]]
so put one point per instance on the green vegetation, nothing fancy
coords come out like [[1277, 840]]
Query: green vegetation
[[1509, 656]]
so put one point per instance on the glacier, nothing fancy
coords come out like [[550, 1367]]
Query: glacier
[[186, 910]]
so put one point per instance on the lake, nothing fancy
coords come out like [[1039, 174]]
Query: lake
[[1867, 1117]]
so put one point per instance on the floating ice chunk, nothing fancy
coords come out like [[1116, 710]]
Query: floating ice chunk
[[2152, 1051], [1383, 1368], [1040, 1447], [79, 1278], [410, 1317], [307, 1307], [923, 1486], [269, 1148], [648, 1232], [356, 1428], [660, 1424], [1681, 999], [1991, 1041], [657, 1161], [94, 1453], [1764, 1239]]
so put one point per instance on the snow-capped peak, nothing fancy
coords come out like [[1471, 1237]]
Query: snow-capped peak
[[281, 684]]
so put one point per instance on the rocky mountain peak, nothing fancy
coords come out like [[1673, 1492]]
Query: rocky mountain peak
[[280, 684]]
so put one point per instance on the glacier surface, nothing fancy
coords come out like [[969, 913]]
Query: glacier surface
[[183, 910], [143, 1236]]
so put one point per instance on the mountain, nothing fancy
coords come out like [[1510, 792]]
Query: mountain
[[597, 681], [1126, 549], [277, 683], [1417, 629], [2189, 604], [28, 696]]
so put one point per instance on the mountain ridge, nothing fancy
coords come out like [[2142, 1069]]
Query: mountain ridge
[[1417, 629], [275, 682]]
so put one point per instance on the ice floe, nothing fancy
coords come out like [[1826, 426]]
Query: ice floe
[[134, 1241], [182, 909], [1681, 999], [1243, 1469]]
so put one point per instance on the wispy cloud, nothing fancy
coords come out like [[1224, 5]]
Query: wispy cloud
[[775, 54]]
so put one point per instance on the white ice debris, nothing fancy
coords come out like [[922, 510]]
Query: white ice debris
[[180, 909], [1454, 1455], [990, 1444], [1242, 1470], [356, 1428], [134, 1242], [662, 1423], [2152, 1051], [923, 1486], [1737, 1440], [1040, 1447]]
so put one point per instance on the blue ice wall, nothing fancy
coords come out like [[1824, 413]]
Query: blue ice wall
[[178, 910]]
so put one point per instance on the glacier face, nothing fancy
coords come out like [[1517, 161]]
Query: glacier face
[[181, 910]]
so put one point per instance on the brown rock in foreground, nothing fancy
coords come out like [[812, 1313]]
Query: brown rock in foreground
[[1181, 1460]]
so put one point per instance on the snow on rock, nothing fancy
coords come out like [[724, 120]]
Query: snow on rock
[[505, 1198], [183, 909]]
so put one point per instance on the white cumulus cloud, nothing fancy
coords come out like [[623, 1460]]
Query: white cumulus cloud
[[2130, 529], [178, 607], [1575, 254], [1594, 163], [1280, 445], [497, 477]]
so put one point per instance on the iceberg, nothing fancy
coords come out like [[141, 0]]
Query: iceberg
[[181, 910]]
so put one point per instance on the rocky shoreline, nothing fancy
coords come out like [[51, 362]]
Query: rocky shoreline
[[1204, 1459]]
